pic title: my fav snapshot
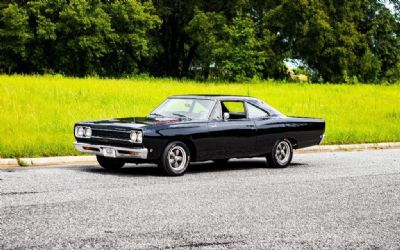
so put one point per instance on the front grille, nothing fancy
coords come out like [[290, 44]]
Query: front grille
[[111, 134]]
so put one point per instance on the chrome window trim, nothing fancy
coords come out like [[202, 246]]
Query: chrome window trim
[[244, 106]]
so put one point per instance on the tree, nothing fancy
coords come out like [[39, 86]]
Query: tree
[[14, 36], [239, 55], [130, 42], [383, 36], [84, 29], [77, 37], [205, 31], [339, 41], [177, 49], [43, 20]]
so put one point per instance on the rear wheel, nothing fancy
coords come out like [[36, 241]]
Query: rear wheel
[[110, 163], [175, 159], [281, 155]]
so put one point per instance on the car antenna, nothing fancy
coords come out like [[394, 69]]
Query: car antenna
[[248, 90]]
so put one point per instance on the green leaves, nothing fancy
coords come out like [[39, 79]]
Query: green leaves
[[130, 41], [77, 37], [83, 29], [14, 36], [337, 41], [239, 55]]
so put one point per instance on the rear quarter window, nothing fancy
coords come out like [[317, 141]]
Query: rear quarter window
[[255, 112]]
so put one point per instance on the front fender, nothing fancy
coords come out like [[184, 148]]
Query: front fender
[[157, 138]]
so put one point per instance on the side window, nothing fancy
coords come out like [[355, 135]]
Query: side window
[[254, 112], [217, 113], [235, 109]]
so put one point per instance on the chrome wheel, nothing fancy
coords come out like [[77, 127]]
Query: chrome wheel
[[177, 158], [283, 152]]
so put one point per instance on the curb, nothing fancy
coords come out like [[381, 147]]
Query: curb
[[61, 160], [350, 147], [47, 161], [8, 163], [90, 160]]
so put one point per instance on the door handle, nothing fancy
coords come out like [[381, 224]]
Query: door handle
[[251, 126]]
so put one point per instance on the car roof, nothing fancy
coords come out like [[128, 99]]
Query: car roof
[[215, 97]]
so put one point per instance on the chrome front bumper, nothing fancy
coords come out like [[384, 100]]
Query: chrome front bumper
[[137, 153]]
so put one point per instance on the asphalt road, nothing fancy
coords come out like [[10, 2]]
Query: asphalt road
[[324, 200]]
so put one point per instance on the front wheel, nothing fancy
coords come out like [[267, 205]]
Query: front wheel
[[281, 155], [109, 163], [175, 159]]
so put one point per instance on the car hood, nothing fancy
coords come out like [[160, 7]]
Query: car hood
[[131, 122]]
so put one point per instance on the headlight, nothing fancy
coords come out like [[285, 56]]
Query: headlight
[[88, 132], [133, 136], [83, 132], [137, 136]]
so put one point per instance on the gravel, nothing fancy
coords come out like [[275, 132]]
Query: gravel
[[323, 200]]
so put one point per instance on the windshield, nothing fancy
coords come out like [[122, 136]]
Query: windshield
[[195, 109]]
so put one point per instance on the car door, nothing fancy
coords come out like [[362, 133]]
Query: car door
[[268, 128], [233, 137]]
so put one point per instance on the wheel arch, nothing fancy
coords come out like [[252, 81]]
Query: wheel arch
[[292, 141], [189, 143]]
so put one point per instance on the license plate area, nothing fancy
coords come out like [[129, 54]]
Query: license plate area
[[109, 152]]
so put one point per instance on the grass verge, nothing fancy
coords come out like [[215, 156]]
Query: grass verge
[[38, 112]]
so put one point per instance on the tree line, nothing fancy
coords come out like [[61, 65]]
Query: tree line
[[235, 40]]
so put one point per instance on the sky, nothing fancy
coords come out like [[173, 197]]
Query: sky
[[390, 6]]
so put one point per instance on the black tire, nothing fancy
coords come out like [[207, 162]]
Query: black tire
[[281, 155], [221, 161], [110, 163], [170, 163]]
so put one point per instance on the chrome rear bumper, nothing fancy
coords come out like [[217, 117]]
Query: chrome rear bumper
[[137, 153], [322, 137]]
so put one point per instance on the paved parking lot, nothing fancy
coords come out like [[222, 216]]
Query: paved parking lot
[[324, 200]]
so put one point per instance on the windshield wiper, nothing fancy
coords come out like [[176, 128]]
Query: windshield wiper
[[181, 115]]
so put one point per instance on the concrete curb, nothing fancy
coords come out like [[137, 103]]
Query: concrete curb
[[349, 147], [61, 160], [8, 162], [89, 160]]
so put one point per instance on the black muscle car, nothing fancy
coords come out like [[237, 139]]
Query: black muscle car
[[190, 128]]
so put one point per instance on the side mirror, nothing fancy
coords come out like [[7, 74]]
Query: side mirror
[[226, 116]]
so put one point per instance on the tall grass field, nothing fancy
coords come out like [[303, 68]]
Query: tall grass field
[[37, 113]]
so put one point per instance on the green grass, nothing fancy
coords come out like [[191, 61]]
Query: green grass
[[38, 112]]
